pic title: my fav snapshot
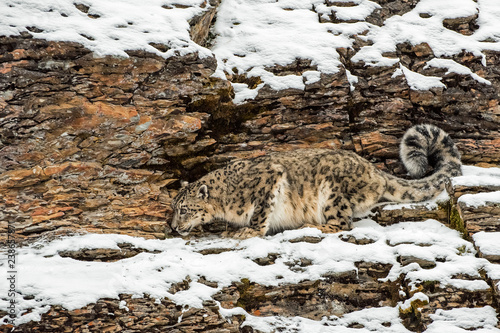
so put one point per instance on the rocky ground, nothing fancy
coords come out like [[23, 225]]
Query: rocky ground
[[98, 144]]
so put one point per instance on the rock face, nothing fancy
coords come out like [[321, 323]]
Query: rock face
[[90, 143], [98, 144], [141, 315]]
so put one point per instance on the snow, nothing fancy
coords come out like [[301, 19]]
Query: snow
[[454, 67], [415, 29], [123, 305], [418, 81], [419, 296], [487, 242], [256, 35], [384, 319], [353, 80], [476, 176], [117, 26], [493, 271], [53, 279], [463, 320], [252, 36], [480, 199]]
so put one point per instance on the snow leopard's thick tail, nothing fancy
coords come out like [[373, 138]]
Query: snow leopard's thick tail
[[424, 149]]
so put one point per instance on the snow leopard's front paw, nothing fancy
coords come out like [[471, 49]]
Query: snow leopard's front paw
[[246, 233]]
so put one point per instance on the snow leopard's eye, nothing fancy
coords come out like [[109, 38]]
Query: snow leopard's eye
[[183, 211]]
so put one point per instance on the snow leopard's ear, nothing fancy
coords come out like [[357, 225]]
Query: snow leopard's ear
[[203, 192], [184, 183]]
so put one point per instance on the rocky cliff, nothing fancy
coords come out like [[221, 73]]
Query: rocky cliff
[[98, 143]]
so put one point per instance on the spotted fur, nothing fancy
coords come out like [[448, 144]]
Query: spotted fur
[[320, 187]]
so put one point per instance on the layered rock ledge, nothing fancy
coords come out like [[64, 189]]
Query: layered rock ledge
[[98, 144]]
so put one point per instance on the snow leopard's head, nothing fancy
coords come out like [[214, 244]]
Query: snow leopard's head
[[191, 208]]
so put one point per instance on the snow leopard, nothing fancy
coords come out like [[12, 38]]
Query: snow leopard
[[320, 188]]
